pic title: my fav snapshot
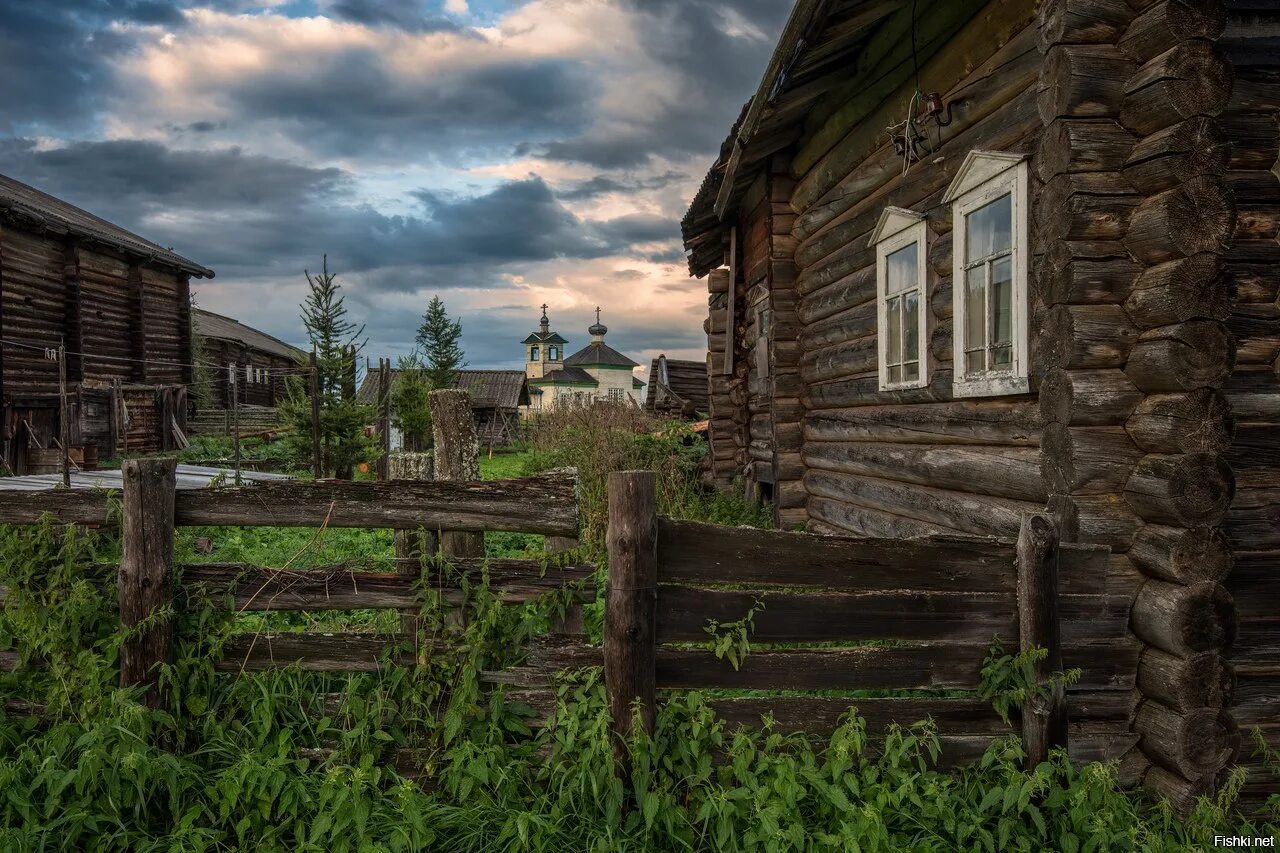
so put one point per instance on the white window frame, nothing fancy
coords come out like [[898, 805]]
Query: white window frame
[[984, 177], [898, 229]]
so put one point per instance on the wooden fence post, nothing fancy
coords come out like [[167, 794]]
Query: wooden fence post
[[384, 418], [457, 459], [146, 570], [412, 544], [317, 460], [630, 633], [1044, 719]]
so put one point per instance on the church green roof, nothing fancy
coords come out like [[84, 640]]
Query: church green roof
[[545, 338]]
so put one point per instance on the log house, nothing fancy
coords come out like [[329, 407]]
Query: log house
[[261, 362], [972, 260], [120, 304]]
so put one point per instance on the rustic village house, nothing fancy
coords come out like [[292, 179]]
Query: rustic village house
[[259, 362], [971, 260], [497, 396], [595, 372], [677, 389], [120, 305]]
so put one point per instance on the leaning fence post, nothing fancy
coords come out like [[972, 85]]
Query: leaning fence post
[[146, 571], [1044, 719], [457, 459], [630, 629]]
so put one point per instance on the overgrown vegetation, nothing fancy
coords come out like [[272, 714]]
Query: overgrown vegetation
[[288, 760]]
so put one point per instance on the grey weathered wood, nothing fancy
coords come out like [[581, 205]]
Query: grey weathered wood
[[1082, 21], [1083, 81], [1183, 490], [343, 587], [1189, 79], [146, 572], [630, 619], [1196, 216], [1195, 422], [1044, 719], [1181, 555], [1180, 290], [1166, 23], [1199, 680], [457, 458], [412, 545], [1193, 744], [313, 652], [1182, 357], [1087, 397], [1087, 459], [384, 418], [1189, 149], [1183, 620], [544, 504]]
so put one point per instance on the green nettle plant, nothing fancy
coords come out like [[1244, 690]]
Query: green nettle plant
[[732, 640], [1010, 681], [288, 760]]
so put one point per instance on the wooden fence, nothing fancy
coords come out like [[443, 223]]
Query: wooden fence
[[830, 613], [938, 603], [152, 508]]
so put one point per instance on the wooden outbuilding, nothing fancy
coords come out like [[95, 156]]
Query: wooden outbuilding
[[260, 362], [677, 389], [121, 307], [496, 399], [972, 260]]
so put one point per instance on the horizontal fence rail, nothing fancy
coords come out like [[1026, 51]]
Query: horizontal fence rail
[[545, 504]]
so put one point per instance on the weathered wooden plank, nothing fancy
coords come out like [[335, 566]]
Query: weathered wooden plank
[[312, 652], [959, 617], [545, 504], [924, 666], [344, 587], [708, 553]]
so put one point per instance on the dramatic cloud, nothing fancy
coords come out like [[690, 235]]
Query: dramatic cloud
[[502, 153]]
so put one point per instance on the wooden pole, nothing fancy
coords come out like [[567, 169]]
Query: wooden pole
[[235, 418], [1044, 719], [146, 571], [457, 459], [630, 633], [64, 415], [411, 545], [384, 402], [317, 462]]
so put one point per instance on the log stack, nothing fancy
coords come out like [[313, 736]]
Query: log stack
[[1136, 216], [723, 435]]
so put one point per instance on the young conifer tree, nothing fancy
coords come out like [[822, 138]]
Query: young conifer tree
[[440, 340]]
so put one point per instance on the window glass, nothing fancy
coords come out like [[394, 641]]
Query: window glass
[[975, 312], [989, 228], [1002, 312], [553, 353], [893, 314], [911, 327], [533, 353], [901, 271]]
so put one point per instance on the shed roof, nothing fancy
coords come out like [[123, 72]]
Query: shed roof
[[685, 380], [218, 327], [567, 374], [489, 389], [28, 206], [823, 45]]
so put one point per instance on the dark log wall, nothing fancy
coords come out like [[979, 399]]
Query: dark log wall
[[787, 411], [1252, 265], [723, 432], [752, 369], [119, 319], [270, 393], [909, 463]]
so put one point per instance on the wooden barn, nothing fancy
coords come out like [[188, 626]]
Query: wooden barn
[[261, 363], [119, 304], [971, 260], [496, 399], [677, 389]]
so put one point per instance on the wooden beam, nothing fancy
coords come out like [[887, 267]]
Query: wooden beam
[[73, 323], [137, 323], [146, 572], [546, 504]]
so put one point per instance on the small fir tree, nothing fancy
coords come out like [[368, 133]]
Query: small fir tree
[[337, 341], [440, 338]]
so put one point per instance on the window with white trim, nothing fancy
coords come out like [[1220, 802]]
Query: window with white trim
[[902, 341], [989, 199]]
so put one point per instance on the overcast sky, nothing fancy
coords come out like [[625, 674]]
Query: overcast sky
[[498, 153]]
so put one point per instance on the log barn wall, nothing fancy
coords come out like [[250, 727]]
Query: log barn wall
[[121, 306], [1151, 422], [907, 463], [1251, 42]]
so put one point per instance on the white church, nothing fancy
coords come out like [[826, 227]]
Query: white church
[[595, 372]]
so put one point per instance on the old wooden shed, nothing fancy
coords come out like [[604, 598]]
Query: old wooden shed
[[119, 303], [970, 260], [677, 389], [496, 399], [260, 362]]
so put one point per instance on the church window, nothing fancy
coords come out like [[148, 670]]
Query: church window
[[533, 353], [553, 353]]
